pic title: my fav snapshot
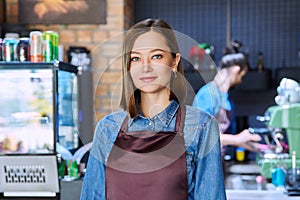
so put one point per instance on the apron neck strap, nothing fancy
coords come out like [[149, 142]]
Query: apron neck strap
[[180, 118]]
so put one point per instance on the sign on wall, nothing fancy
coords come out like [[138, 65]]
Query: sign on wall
[[62, 11]]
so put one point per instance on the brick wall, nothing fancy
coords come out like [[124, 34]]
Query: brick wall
[[104, 40]]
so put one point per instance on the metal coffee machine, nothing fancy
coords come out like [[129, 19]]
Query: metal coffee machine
[[287, 114], [283, 124], [284, 118]]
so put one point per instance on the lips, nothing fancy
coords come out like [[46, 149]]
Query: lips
[[148, 79]]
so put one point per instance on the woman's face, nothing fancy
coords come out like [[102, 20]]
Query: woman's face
[[151, 63]]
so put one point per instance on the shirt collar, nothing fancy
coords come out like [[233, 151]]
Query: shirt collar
[[165, 116]]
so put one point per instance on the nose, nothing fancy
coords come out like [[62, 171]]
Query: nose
[[146, 66]]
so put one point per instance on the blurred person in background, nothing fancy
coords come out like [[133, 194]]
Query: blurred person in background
[[214, 99]]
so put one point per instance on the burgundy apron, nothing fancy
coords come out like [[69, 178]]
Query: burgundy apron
[[148, 165]]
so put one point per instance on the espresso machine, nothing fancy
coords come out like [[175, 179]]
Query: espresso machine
[[283, 118], [287, 117]]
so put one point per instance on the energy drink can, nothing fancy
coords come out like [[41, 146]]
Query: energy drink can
[[48, 46], [23, 49], [10, 49], [55, 44], [36, 45]]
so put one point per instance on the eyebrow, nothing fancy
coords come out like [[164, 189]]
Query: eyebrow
[[150, 51]]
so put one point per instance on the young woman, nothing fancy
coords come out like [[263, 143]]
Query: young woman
[[155, 147], [214, 99]]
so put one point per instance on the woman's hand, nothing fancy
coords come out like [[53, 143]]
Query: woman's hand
[[248, 140], [244, 139]]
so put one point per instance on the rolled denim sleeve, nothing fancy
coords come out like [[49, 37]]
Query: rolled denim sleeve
[[105, 134], [209, 179], [92, 189], [208, 99]]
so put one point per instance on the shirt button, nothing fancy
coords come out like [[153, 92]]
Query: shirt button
[[150, 123]]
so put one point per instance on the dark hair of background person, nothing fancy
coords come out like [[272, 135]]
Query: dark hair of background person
[[230, 60], [235, 47], [130, 94], [234, 55]]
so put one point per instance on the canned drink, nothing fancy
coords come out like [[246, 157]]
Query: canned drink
[[55, 44], [23, 49], [36, 45], [48, 46], [10, 49]]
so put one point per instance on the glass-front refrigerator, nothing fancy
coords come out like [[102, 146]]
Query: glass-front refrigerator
[[41, 106], [28, 114], [68, 132], [38, 113]]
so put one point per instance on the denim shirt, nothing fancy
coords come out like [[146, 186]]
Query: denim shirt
[[202, 144], [210, 99]]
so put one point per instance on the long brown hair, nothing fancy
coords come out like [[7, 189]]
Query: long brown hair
[[130, 94]]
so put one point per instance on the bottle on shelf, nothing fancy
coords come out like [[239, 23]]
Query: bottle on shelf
[[260, 62]]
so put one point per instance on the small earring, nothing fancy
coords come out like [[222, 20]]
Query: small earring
[[174, 73]]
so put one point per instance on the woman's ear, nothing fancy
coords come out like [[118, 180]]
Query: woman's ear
[[176, 61], [235, 69]]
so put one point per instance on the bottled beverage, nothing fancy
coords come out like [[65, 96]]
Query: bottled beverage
[[260, 62]]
